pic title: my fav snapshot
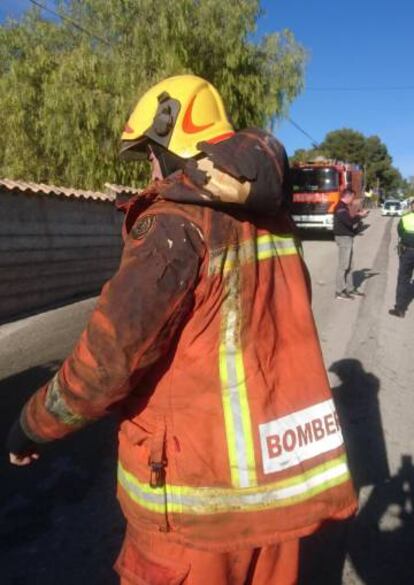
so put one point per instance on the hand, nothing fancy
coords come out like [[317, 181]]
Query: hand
[[21, 460], [363, 212]]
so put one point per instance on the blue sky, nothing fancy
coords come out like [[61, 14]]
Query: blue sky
[[351, 45]]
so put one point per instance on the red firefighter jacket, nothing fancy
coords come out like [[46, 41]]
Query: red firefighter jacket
[[206, 338]]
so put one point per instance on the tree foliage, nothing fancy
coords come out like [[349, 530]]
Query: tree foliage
[[408, 188], [368, 152], [67, 93]]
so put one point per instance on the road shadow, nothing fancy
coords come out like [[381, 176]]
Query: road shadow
[[356, 398], [59, 519], [381, 537], [362, 228], [357, 401], [360, 276]]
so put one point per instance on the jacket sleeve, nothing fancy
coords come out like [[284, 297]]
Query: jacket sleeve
[[136, 318]]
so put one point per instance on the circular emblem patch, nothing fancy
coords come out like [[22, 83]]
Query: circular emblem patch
[[142, 227]]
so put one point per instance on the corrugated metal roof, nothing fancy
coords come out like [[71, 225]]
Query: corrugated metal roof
[[122, 189], [43, 189]]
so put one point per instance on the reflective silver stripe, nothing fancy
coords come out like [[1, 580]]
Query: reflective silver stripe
[[265, 246], [234, 392], [204, 500], [238, 425], [55, 403], [280, 247]]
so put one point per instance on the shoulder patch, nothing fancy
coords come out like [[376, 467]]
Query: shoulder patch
[[142, 227]]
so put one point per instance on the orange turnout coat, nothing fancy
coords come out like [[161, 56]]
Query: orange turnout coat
[[205, 338]]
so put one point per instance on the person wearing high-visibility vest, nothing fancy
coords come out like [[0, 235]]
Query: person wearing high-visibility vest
[[230, 448], [406, 266]]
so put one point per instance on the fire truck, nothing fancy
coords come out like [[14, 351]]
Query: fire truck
[[317, 186]]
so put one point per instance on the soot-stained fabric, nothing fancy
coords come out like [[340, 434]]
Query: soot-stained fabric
[[257, 157], [137, 315], [248, 170]]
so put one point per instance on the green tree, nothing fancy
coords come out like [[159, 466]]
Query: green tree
[[306, 155], [346, 144], [67, 93], [379, 168], [408, 188]]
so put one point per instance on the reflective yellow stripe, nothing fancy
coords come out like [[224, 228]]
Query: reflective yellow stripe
[[235, 400], [228, 418], [234, 393], [246, 420], [270, 246], [264, 247], [207, 500]]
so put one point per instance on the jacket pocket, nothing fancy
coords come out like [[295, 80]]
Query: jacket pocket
[[142, 453], [139, 430]]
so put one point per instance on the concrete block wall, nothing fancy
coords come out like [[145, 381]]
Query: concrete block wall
[[54, 249]]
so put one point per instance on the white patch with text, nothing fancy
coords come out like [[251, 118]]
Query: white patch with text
[[299, 436]]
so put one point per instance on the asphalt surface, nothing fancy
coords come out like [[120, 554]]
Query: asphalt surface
[[59, 520]]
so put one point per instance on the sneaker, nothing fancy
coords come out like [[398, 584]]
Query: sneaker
[[344, 296], [395, 312], [357, 293]]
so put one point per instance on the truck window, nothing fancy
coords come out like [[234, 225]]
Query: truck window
[[312, 180]]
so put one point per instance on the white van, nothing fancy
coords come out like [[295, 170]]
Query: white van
[[392, 207]]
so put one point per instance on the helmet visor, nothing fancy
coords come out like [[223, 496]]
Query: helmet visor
[[134, 149]]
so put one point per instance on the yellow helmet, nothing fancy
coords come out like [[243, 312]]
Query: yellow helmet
[[176, 114]]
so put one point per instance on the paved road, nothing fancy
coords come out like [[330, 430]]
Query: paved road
[[369, 356], [58, 520]]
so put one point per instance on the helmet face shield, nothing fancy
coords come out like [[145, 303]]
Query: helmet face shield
[[133, 150], [159, 132], [145, 150]]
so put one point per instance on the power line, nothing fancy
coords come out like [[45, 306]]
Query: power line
[[365, 88], [72, 22], [106, 42], [296, 125]]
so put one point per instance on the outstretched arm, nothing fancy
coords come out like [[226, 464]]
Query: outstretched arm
[[135, 320]]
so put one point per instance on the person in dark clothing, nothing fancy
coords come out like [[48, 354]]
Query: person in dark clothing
[[345, 228], [406, 267]]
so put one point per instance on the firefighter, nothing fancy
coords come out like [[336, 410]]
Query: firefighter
[[230, 448], [405, 270]]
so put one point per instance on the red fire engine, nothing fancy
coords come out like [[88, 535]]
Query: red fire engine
[[317, 186]]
